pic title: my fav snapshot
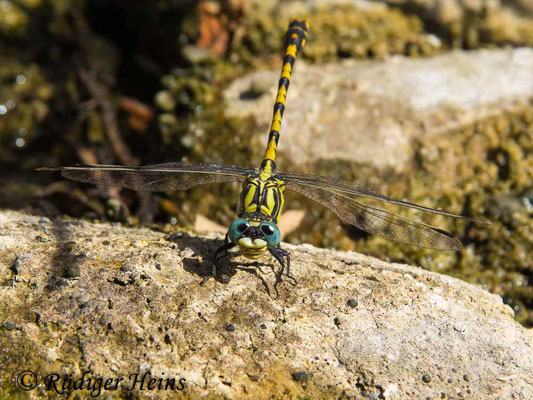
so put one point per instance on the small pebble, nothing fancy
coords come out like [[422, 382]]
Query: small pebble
[[300, 376], [426, 378], [44, 220], [230, 328], [9, 326], [252, 377], [352, 303], [337, 321], [262, 326], [466, 377], [158, 267], [106, 242], [225, 279]]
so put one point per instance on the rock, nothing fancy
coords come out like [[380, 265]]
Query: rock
[[203, 225], [410, 333], [376, 109], [352, 303], [44, 220], [72, 271], [300, 376], [290, 220]]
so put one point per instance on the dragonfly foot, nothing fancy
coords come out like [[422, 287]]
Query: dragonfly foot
[[279, 255], [204, 281], [292, 280]]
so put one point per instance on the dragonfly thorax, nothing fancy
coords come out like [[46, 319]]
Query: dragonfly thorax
[[262, 198]]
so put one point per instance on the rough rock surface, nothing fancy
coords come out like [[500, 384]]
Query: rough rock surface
[[118, 301], [375, 109]]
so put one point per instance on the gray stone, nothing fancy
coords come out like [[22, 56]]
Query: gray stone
[[413, 334], [375, 109]]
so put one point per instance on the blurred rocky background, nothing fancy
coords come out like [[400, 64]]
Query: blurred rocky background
[[426, 100]]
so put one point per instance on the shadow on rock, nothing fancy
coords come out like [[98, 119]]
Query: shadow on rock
[[198, 255], [66, 262]]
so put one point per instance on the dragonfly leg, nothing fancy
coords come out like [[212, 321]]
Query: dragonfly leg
[[221, 252], [278, 254], [286, 254]]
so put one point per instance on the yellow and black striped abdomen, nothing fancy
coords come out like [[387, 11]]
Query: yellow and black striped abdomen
[[262, 200], [294, 42]]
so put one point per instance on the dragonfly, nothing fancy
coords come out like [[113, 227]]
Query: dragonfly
[[255, 230]]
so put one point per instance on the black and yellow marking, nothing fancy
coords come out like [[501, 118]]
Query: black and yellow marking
[[262, 195], [262, 200], [294, 42]]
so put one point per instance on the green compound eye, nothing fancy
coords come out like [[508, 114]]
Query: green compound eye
[[271, 232], [237, 228]]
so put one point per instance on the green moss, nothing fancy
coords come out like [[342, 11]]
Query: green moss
[[486, 24], [490, 27], [503, 28], [344, 31], [337, 32]]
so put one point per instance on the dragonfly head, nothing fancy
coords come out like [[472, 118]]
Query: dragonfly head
[[254, 239]]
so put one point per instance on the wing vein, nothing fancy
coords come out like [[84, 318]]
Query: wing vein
[[158, 177], [381, 222], [343, 187]]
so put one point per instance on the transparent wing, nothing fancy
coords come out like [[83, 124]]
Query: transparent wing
[[354, 189], [338, 196], [380, 222], [159, 177]]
